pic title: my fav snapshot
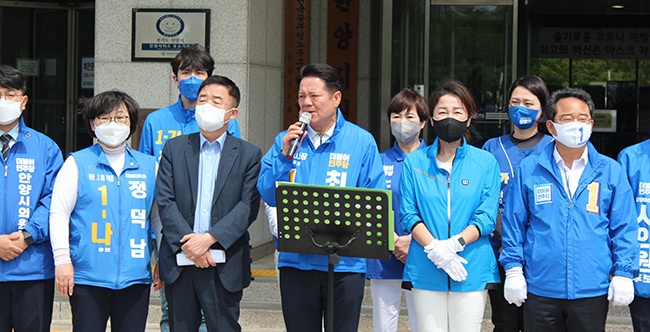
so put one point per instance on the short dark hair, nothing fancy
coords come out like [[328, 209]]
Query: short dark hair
[[458, 89], [193, 56], [233, 90], [327, 73], [12, 78], [551, 109], [406, 99], [106, 102]]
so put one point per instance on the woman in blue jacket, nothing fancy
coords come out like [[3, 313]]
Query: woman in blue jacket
[[450, 197], [99, 221], [528, 98], [407, 114]]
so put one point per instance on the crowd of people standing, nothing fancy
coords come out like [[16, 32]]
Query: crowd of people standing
[[538, 221]]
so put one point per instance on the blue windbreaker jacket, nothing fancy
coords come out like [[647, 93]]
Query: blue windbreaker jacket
[[636, 163], [25, 194], [347, 159], [447, 204], [568, 248]]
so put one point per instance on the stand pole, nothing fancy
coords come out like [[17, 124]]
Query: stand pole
[[329, 326]]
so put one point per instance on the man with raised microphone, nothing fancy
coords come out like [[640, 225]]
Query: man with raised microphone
[[334, 153]]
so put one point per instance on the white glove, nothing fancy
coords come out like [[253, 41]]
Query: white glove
[[514, 289], [441, 252], [621, 291], [455, 269]]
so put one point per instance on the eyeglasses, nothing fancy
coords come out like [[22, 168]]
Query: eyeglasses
[[11, 96], [121, 119]]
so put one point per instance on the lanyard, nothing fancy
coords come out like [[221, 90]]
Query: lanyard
[[512, 173]]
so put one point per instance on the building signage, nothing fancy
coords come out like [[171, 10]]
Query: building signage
[[296, 54], [343, 50], [159, 34], [580, 43]]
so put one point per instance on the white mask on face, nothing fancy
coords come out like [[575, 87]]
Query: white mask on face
[[9, 111], [405, 131], [112, 133], [209, 117], [573, 134]]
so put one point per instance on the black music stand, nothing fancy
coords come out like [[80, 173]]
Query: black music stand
[[337, 221]]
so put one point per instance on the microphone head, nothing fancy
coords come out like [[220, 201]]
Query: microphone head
[[305, 117]]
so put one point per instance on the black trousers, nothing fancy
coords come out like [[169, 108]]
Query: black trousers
[[92, 306], [26, 306], [542, 314], [304, 300], [506, 317], [640, 312], [201, 289]]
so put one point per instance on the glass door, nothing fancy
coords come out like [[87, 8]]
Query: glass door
[[51, 44]]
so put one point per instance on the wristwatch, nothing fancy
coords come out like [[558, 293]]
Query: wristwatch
[[29, 240], [461, 241]]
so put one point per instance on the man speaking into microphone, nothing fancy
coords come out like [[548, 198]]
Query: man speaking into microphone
[[334, 153]]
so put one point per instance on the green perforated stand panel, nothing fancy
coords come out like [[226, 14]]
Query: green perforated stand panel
[[334, 214]]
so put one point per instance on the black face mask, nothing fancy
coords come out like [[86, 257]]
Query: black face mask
[[450, 129]]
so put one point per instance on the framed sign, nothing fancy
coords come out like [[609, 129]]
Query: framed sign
[[159, 34]]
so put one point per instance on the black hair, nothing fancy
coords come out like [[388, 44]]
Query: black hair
[[12, 78], [406, 99], [106, 102], [551, 110], [195, 57], [327, 73], [233, 90]]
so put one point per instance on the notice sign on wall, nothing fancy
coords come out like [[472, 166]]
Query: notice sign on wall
[[581, 43], [159, 34]]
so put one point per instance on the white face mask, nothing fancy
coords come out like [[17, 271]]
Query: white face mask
[[112, 133], [405, 131], [573, 134], [209, 117], [9, 111]]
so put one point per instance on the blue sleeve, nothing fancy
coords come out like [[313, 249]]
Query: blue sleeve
[[371, 174], [623, 227], [408, 206], [233, 128], [275, 167], [146, 145], [515, 221], [39, 223], [485, 215]]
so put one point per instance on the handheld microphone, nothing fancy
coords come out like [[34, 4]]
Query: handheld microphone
[[305, 118]]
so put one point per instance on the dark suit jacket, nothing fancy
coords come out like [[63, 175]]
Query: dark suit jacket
[[234, 207]]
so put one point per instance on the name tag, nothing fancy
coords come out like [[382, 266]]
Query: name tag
[[543, 194]]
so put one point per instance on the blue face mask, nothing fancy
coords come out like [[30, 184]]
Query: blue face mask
[[522, 117], [189, 87]]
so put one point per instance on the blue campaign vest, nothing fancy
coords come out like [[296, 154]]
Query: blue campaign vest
[[110, 232], [393, 159]]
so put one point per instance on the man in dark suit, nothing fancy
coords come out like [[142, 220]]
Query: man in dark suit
[[207, 200]]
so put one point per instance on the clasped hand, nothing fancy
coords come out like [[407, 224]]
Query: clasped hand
[[444, 255], [196, 248]]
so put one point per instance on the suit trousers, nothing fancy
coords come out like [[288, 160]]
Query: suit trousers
[[543, 314], [201, 289], [26, 306], [304, 300], [92, 306]]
